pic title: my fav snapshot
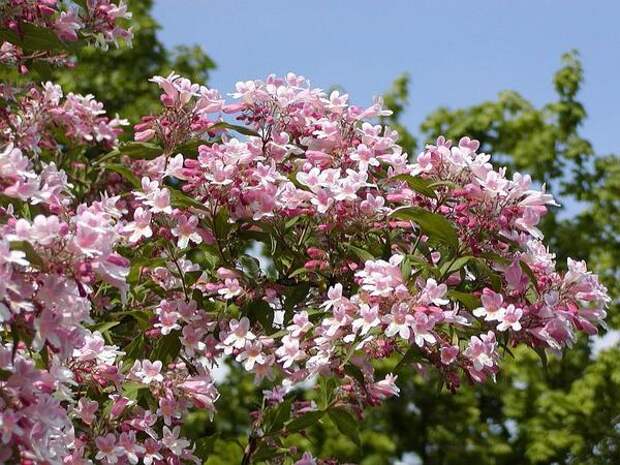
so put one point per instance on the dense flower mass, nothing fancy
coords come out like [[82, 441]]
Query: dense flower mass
[[125, 277]]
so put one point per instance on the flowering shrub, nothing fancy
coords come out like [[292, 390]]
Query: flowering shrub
[[126, 277]]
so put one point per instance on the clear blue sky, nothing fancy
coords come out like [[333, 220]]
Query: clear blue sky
[[458, 52]]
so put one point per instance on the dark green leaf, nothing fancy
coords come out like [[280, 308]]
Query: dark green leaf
[[134, 350], [304, 421], [346, 423], [266, 452], [260, 311], [470, 301], [167, 348], [250, 265], [125, 173], [276, 416], [141, 150], [360, 253], [295, 294], [34, 38], [451, 266], [233, 127], [435, 226], [416, 183], [327, 390], [180, 200]]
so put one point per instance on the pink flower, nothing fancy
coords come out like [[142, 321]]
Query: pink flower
[[107, 449], [148, 372], [381, 278], [334, 297], [141, 225], [449, 354], [67, 26], [251, 354], [399, 321], [492, 304], [169, 409], [369, 318], [127, 442], [481, 351], [86, 410], [289, 352], [239, 334], [422, 327], [510, 318], [231, 289], [151, 452], [433, 293], [386, 387], [173, 442], [186, 230]]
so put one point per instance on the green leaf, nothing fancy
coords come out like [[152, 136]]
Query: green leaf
[[234, 127], [360, 253], [435, 226], [132, 389], [355, 373], [141, 150], [222, 226], [104, 326], [470, 301], [180, 200], [266, 452], [451, 266], [31, 254], [304, 421], [134, 350], [250, 265], [346, 424], [125, 173], [484, 271], [416, 183], [276, 416], [34, 38], [167, 348], [298, 271], [190, 148], [260, 311], [542, 353], [405, 269], [295, 294], [327, 391]]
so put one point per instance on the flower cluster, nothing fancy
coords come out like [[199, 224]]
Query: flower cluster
[[30, 119], [126, 274], [99, 20]]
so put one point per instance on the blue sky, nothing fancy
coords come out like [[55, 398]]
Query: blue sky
[[458, 52]]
